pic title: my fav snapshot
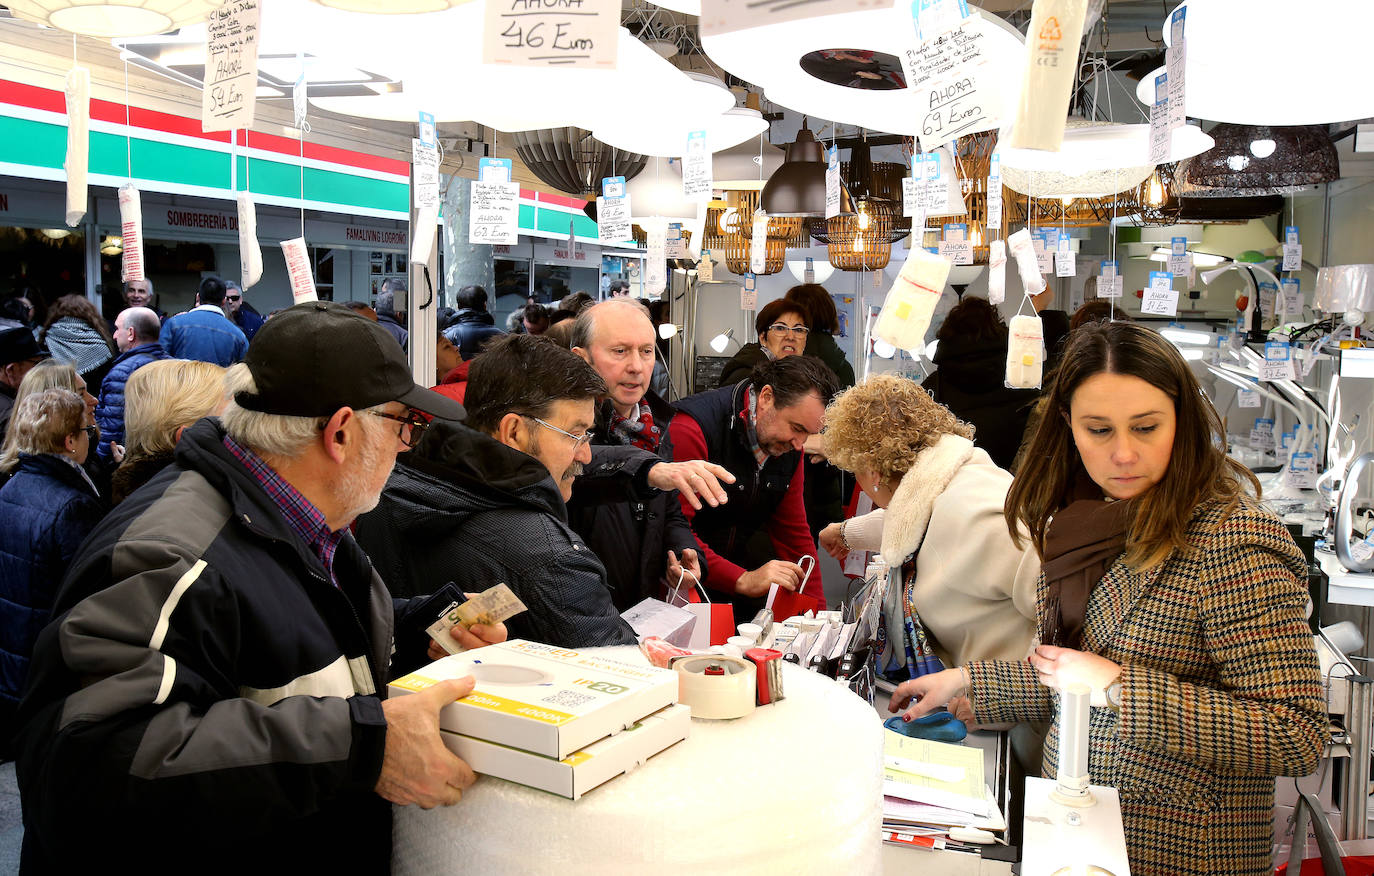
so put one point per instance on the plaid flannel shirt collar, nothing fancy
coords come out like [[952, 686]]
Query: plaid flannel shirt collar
[[750, 415], [305, 520]]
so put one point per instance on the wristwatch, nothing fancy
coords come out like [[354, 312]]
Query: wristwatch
[[1114, 694]]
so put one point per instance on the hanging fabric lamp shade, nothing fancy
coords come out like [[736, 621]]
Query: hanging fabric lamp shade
[[798, 187], [114, 20], [1264, 160]]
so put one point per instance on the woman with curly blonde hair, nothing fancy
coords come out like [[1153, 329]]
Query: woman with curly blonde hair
[[967, 590]]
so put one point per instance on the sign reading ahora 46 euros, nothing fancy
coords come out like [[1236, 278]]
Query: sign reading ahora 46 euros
[[551, 33]]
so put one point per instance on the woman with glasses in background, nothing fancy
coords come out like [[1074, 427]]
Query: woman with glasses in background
[[47, 509], [782, 326]]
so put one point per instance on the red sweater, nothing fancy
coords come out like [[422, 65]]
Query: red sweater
[[788, 530]]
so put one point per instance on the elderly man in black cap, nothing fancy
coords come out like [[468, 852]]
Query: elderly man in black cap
[[18, 353], [212, 693]]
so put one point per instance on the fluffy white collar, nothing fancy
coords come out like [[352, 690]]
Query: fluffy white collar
[[908, 514]]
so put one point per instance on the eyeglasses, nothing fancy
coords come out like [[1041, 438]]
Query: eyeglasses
[[233, 298], [794, 329], [415, 424], [578, 440], [92, 432]]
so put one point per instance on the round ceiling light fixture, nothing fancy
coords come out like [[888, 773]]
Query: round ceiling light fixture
[[775, 63], [114, 20], [1232, 77]]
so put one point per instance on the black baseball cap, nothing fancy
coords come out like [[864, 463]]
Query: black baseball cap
[[18, 344], [314, 358]]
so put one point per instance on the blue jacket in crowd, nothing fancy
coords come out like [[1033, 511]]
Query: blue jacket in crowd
[[109, 414], [206, 334], [46, 511], [470, 330]]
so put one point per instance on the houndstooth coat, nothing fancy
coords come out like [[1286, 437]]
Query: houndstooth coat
[[1220, 693]]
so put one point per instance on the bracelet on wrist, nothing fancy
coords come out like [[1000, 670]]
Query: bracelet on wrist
[[844, 542]]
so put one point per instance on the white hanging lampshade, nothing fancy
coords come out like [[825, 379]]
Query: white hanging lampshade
[[1095, 160], [662, 127], [954, 197], [1347, 289], [821, 269], [1231, 76], [744, 167], [390, 7], [657, 191], [1231, 240], [113, 20]]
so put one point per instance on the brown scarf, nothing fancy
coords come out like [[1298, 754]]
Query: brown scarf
[[1084, 538]]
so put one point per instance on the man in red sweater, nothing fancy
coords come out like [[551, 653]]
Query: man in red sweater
[[756, 429]]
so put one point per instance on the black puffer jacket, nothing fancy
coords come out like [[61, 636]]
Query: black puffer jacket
[[628, 524], [970, 380], [822, 345], [464, 507]]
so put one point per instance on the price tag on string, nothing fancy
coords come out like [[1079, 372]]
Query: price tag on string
[[748, 293], [1063, 256], [954, 244], [1175, 65], [1262, 434], [494, 204], [1109, 283], [937, 181], [936, 16], [1290, 292], [995, 191], [1044, 252], [1248, 398], [551, 35], [1278, 362], [832, 182], [1180, 261], [706, 268], [1160, 299], [1268, 292], [696, 168], [758, 243], [1292, 249], [675, 245], [1160, 138], [613, 211]]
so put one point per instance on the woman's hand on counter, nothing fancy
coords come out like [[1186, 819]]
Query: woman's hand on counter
[[1059, 667], [927, 693]]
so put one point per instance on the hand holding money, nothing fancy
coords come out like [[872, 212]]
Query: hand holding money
[[474, 623]]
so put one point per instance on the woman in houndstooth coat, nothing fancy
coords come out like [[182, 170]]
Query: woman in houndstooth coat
[[1173, 595]]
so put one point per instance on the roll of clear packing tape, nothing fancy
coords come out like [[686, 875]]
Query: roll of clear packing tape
[[716, 686]]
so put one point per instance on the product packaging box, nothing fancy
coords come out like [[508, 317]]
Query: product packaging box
[[545, 700], [582, 770]]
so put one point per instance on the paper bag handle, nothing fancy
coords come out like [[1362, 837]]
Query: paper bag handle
[[683, 573], [1326, 838]]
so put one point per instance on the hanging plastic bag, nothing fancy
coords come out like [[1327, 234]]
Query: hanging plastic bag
[[78, 142], [250, 254], [997, 272], [1025, 352], [911, 301], [131, 225], [1027, 264]]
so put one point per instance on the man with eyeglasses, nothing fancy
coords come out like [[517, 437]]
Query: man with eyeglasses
[[484, 503], [240, 312], [213, 687]]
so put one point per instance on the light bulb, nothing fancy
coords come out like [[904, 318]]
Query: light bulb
[[858, 244], [667, 330], [863, 220], [883, 349], [975, 236], [724, 219], [1066, 201], [1155, 196], [1262, 148]]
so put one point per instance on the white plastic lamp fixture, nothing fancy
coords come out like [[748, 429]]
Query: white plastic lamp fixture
[[1095, 160], [1230, 72], [668, 330], [821, 269], [1200, 259], [722, 340], [1193, 354], [390, 7], [667, 136], [931, 348], [771, 60], [882, 349], [1345, 289], [114, 20], [657, 191], [1187, 337]]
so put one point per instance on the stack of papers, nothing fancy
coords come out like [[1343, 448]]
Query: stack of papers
[[930, 788]]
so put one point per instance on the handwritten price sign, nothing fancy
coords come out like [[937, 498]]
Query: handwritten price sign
[[231, 67], [551, 33], [943, 73]]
